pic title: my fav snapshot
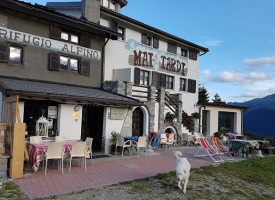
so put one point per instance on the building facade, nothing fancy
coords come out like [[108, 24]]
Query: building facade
[[53, 62]]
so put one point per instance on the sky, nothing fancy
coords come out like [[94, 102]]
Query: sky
[[240, 35]]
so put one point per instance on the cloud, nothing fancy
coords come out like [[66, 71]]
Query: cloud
[[211, 43], [253, 64], [237, 78]]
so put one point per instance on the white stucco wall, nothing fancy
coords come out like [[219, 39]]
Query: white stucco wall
[[213, 116], [67, 125]]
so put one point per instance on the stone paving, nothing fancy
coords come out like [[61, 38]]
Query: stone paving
[[103, 172]]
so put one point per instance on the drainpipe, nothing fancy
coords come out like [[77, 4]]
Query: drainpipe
[[201, 117], [103, 60]]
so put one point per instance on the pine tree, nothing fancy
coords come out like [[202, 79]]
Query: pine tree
[[203, 95], [217, 99]]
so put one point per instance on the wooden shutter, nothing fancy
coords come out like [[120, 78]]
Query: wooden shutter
[[193, 55], [54, 61], [163, 80], [143, 38], [156, 79], [137, 76], [85, 67], [86, 41], [156, 43], [172, 48], [191, 86], [55, 32], [3, 52]]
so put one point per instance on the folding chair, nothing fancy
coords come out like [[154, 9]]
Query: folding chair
[[224, 152], [208, 151]]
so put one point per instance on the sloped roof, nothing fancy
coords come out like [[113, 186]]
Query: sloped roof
[[26, 88]]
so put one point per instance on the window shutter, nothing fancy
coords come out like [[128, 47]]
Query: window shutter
[[156, 43], [54, 61], [137, 76], [156, 79], [163, 80], [86, 41], [3, 52], [143, 38], [114, 26], [193, 55], [191, 86], [55, 32], [172, 48], [85, 67]]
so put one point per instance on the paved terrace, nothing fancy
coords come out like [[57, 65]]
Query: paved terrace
[[103, 172]]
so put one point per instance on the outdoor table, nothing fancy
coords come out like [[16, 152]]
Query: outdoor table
[[36, 152]]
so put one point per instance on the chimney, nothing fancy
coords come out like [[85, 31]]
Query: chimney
[[91, 10]]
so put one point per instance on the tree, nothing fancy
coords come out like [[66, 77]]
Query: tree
[[217, 99], [203, 95]]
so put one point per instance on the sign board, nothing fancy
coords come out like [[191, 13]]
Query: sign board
[[76, 115], [46, 43], [118, 113], [52, 112]]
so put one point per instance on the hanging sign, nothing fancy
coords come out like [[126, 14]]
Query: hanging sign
[[117, 113]]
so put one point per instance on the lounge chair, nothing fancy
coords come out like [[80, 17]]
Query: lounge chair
[[208, 151], [224, 152]]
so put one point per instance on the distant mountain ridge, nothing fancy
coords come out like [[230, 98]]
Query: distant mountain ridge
[[260, 117]]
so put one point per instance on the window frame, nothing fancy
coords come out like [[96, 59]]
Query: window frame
[[70, 37], [69, 63], [170, 82], [185, 54], [142, 80], [21, 54], [149, 39], [109, 4], [123, 33], [182, 80]]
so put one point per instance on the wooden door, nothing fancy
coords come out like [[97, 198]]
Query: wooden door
[[137, 126]]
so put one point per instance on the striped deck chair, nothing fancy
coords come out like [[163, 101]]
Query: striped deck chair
[[208, 150], [221, 148]]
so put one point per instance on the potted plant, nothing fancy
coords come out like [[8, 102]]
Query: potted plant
[[169, 117], [196, 115]]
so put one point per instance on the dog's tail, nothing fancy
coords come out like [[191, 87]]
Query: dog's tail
[[178, 154]]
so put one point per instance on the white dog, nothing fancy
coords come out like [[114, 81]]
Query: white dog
[[182, 171]]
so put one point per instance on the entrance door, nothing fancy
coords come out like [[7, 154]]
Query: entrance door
[[137, 126], [92, 124]]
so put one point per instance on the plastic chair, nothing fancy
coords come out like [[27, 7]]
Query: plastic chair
[[55, 152], [120, 143], [184, 139], [78, 151], [89, 144], [35, 139], [60, 138], [171, 141], [163, 139], [141, 143]]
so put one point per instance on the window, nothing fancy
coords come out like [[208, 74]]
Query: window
[[121, 30], [183, 84], [226, 122], [16, 54], [183, 52], [59, 62], [150, 41], [109, 4], [191, 86], [144, 77], [169, 82], [172, 48], [67, 63], [11, 53], [193, 55], [73, 38]]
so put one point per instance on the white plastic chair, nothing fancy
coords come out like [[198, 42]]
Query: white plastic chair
[[78, 151], [141, 143], [60, 138], [35, 139], [89, 145], [55, 152], [163, 139], [120, 143], [171, 141]]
